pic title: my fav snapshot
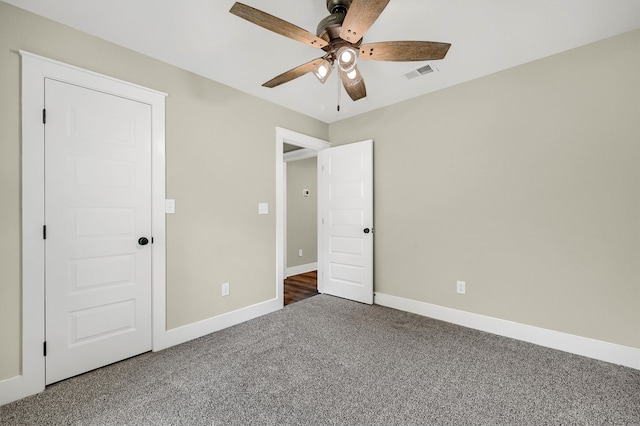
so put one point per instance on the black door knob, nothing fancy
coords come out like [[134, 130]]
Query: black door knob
[[143, 241], [367, 230]]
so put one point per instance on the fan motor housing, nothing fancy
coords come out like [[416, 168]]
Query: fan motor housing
[[337, 5], [329, 27]]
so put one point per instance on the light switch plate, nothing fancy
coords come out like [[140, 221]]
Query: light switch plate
[[170, 206], [263, 208]]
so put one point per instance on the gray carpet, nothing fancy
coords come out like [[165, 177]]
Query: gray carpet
[[329, 361]]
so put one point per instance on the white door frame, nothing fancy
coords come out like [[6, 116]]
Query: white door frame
[[34, 71], [312, 146]]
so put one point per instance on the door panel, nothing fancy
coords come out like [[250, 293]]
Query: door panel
[[346, 210], [97, 205]]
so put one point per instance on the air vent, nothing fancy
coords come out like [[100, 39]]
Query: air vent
[[423, 70]]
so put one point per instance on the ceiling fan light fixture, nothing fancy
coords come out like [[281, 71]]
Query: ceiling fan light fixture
[[347, 58], [323, 71], [353, 77], [340, 36]]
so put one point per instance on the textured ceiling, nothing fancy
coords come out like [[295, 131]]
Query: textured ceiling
[[204, 38]]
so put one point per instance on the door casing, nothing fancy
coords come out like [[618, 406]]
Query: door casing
[[35, 69]]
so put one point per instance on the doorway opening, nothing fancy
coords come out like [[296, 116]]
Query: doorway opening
[[301, 226], [292, 146]]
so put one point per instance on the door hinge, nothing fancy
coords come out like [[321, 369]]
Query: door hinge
[[44, 232], [44, 348], [44, 116]]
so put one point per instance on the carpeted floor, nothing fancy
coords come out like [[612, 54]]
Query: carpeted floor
[[329, 361]]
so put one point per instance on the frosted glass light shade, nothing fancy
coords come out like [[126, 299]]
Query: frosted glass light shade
[[347, 58], [323, 71]]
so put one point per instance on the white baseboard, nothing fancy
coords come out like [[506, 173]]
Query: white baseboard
[[198, 329], [597, 349], [16, 388], [301, 269]]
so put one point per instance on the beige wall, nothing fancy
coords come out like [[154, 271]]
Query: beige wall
[[218, 169], [302, 212], [525, 184]]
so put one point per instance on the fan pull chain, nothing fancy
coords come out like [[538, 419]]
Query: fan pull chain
[[339, 92]]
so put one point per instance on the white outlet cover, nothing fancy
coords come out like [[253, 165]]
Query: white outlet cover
[[263, 208], [461, 287]]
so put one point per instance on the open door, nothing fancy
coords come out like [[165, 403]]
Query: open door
[[345, 221]]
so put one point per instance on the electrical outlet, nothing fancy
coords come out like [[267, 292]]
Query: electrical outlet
[[461, 287], [225, 289], [300, 253]]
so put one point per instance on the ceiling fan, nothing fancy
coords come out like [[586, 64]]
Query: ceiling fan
[[340, 36]]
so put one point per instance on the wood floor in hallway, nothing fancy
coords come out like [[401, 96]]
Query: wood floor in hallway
[[300, 287]]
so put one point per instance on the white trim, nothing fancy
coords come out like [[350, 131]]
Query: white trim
[[597, 349], [293, 138], [15, 388], [285, 219], [301, 269], [300, 154], [299, 139], [142, 91], [35, 69], [198, 329]]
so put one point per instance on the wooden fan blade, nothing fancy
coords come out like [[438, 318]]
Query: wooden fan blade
[[355, 87], [277, 25], [404, 51], [361, 15], [293, 73]]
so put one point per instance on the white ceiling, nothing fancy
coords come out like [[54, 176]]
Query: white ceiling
[[203, 37]]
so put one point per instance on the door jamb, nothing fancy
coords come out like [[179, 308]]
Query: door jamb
[[312, 145], [35, 69]]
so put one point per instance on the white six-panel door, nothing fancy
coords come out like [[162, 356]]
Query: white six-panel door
[[345, 255], [97, 207]]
